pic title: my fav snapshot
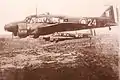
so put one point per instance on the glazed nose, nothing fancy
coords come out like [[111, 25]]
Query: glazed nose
[[7, 27]]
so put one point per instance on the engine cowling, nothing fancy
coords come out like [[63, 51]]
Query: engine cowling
[[22, 33], [22, 30]]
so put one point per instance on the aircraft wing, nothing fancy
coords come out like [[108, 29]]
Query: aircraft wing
[[51, 28]]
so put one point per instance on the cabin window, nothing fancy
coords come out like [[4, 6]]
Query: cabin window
[[65, 20], [33, 20], [55, 20], [48, 20], [27, 20], [42, 20]]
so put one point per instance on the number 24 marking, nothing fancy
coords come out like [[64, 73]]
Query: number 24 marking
[[91, 22]]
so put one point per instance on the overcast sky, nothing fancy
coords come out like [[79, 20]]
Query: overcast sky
[[15, 10]]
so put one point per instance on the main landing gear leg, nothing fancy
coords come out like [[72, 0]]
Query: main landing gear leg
[[109, 28], [12, 35], [94, 32], [91, 32]]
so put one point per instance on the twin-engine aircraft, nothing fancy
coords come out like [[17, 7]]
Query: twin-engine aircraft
[[44, 24]]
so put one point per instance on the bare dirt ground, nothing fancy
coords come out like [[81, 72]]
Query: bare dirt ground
[[77, 59]]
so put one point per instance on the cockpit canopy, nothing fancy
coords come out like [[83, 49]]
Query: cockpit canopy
[[44, 19]]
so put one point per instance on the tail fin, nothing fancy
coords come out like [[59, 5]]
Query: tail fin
[[109, 14]]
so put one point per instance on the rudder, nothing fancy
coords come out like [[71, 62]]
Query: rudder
[[109, 14]]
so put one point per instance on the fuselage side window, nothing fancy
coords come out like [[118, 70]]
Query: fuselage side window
[[48, 20], [41, 19], [27, 20], [55, 20], [33, 20]]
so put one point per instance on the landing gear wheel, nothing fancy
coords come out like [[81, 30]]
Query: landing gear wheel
[[46, 38], [36, 36]]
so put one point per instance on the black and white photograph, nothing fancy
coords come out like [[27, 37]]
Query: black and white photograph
[[59, 40]]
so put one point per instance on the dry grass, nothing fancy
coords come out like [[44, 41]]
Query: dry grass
[[79, 59]]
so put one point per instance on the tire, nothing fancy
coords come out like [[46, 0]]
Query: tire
[[46, 38], [36, 36]]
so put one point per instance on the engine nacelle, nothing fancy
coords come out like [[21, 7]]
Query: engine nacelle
[[22, 30], [22, 33]]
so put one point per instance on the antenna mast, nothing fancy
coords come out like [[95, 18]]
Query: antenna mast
[[36, 10]]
